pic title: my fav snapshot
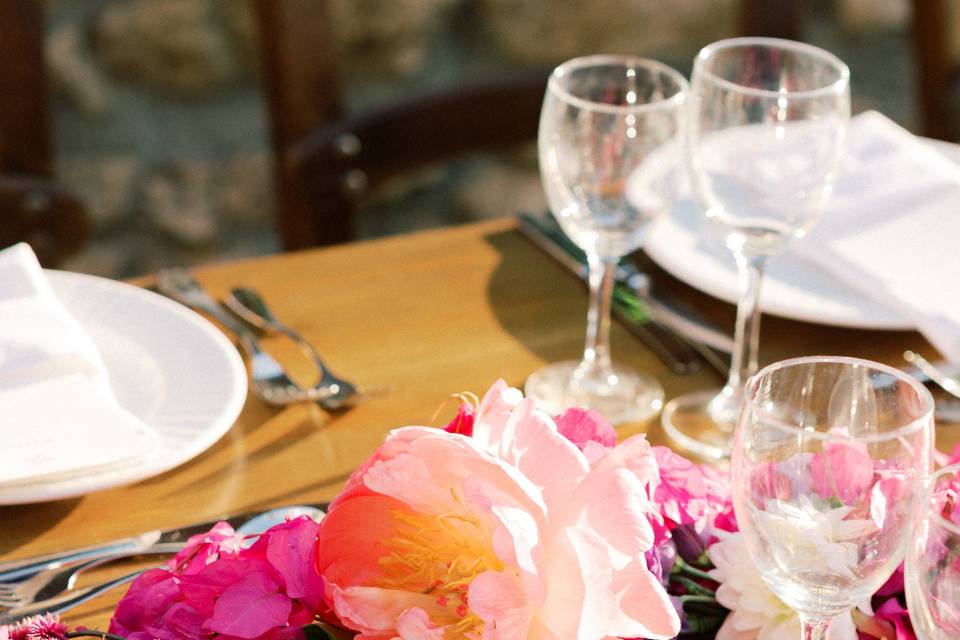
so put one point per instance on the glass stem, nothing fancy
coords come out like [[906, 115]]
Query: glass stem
[[814, 627], [747, 334], [596, 352]]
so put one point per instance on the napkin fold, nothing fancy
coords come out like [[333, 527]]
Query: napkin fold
[[58, 415], [891, 229]]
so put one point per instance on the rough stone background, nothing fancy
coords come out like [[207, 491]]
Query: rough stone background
[[160, 124]]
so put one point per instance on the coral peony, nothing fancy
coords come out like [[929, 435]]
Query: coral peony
[[512, 533]]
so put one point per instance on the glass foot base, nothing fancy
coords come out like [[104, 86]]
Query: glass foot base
[[628, 396], [701, 422]]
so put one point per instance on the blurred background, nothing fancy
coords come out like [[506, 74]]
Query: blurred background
[[160, 125]]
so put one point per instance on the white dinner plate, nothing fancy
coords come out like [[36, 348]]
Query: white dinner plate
[[167, 365], [686, 247]]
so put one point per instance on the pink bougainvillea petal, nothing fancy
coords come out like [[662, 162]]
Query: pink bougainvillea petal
[[580, 426], [290, 549], [249, 608], [462, 423]]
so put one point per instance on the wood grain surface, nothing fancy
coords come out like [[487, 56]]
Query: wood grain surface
[[425, 316]]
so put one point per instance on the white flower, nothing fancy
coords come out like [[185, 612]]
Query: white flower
[[755, 612], [811, 539]]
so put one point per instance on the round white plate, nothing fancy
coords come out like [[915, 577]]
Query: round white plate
[[167, 365], [686, 247]]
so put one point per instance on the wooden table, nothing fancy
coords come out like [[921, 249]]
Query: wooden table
[[427, 315]]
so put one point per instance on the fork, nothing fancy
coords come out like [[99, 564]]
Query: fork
[[268, 379], [66, 600], [251, 307], [46, 584]]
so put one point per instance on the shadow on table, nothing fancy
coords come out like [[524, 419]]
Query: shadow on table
[[36, 519], [523, 294]]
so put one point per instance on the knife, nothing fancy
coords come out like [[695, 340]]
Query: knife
[[634, 290], [672, 350], [18, 570]]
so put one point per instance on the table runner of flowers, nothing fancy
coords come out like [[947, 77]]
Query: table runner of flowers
[[507, 524]]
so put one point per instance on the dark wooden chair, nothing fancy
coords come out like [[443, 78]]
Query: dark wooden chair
[[33, 208], [326, 162]]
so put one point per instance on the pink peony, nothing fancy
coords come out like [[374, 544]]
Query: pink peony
[[214, 588], [843, 470], [510, 534], [687, 493]]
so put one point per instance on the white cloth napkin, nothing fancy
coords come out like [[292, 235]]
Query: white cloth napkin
[[891, 229], [58, 415]]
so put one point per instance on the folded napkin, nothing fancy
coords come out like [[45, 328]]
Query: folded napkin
[[891, 229], [58, 415]]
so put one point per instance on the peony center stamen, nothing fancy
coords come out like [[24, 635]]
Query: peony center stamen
[[440, 555]]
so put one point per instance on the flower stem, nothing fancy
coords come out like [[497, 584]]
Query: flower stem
[[698, 599], [92, 633], [691, 570], [695, 588]]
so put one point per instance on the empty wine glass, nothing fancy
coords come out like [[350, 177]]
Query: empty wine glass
[[767, 123], [829, 463], [609, 142], [933, 561]]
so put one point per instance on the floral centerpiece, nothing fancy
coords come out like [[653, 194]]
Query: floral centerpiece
[[508, 524]]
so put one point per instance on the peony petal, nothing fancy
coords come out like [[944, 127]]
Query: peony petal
[[532, 444], [373, 610], [500, 601], [582, 426], [415, 624], [437, 463], [494, 412], [351, 536], [645, 608], [560, 613]]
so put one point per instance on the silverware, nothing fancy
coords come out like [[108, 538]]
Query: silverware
[[670, 323], [268, 379], [252, 308], [933, 373], [144, 543], [50, 591]]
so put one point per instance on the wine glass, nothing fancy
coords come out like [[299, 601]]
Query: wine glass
[[829, 463], [768, 119], [933, 561], [609, 142]]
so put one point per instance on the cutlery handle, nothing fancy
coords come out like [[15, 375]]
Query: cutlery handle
[[67, 600], [18, 570], [675, 353]]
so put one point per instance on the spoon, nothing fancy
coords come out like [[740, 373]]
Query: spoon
[[252, 528], [248, 305]]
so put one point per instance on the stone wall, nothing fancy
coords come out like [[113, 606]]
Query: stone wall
[[161, 128]]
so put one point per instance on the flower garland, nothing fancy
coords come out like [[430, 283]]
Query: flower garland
[[507, 524]]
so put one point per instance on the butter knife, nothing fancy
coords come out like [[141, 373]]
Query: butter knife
[[632, 312], [710, 342]]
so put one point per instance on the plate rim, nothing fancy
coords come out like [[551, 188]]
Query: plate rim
[[225, 419], [664, 255]]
